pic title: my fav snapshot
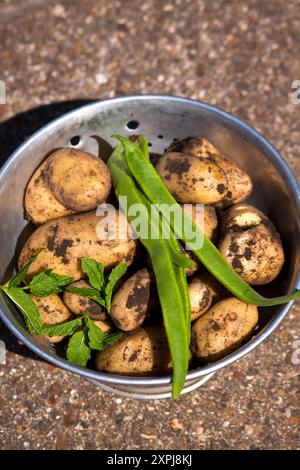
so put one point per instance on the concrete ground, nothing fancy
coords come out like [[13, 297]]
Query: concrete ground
[[240, 55]]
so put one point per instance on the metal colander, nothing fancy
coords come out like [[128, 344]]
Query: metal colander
[[161, 119]]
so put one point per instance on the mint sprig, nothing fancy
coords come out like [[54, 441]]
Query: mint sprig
[[78, 350], [85, 335], [102, 288], [47, 283]]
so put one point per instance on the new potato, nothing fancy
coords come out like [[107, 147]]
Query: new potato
[[68, 181], [52, 310], [78, 304], [251, 245], [39, 202], [191, 179], [223, 328], [239, 184], [130, 302], [77, 179], [68, 239], [200, 298], [141, 352]]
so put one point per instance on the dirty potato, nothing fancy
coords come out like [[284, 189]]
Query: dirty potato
[[191, 179], [207, 219], [141, 352], [223, 328], [68, 239], [78, 304], [217, 290], [251, 245], [78, 180], [39, 202], [52, 310], [200, 298], [130, 302], [239, 182]]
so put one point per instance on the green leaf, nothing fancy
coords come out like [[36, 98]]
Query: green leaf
[[78, 350], [95, 334], [61, 280], [115, 274], [89, 292], [111, 338], [97, 338], [95, 272], [27, 307], [47, 283], [20, 276], [61, 329]]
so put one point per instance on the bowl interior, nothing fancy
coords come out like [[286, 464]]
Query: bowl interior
[[162, 119]]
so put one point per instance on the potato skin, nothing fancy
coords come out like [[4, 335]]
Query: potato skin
[[52, 310], [242, 216], [68, 239], [39, 202], [210, 219], [78, 180], [217, 290], [200, 298], [141, 352], [239, 182], [104, 325], [223, 328], [78, 304], [191, 179], [254, 251], [130, 302]]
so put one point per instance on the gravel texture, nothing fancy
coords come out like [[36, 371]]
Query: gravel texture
[[242, 56]]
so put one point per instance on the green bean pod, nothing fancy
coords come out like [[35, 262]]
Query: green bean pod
[[156, 191], [172, 305]]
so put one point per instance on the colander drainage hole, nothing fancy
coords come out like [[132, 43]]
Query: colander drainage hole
[[75, 141], [132, 125]]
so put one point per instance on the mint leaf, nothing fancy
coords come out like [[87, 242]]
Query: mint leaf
[[61, 280], [95, 335], [27, 307], [47, 283], [95, 272], [97, 338], [78, 350], [111, 338], [61, 329], [115, 274], [89, 292], [20, 276]]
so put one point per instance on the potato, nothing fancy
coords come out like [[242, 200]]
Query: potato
[[251, 245], [223, 328], [104, 325], [39, 202], [242, 216], [130, 303], [141, 352], [239, 183], [68, 239], [200, 298], [78, 304], [52, 310], [217, 290], [191, 179], [209, 219], [78, 180]]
